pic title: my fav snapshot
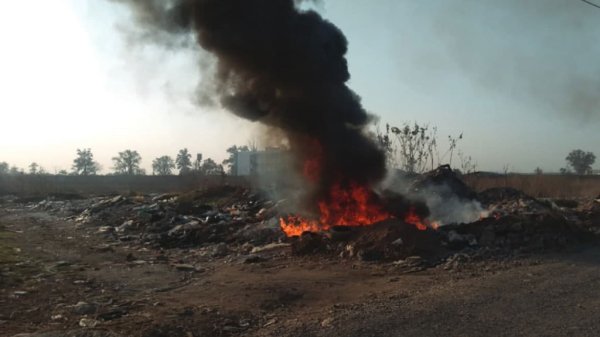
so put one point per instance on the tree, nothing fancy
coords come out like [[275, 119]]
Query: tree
[[15, 170], [581, 161], [565, 170], [3, 167], [84, 163], [34, 168], [210, 168], [163, 166], [538, 171], [232, 160], [128, 162], [183, 161]]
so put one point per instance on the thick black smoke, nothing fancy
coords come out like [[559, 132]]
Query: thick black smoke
[[283, 67]]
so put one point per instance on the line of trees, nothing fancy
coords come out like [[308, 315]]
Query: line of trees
[[128, 162], [412, 148]]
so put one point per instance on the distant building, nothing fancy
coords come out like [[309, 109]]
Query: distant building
[[270, 162]]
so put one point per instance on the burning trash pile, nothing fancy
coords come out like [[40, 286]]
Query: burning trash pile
[[354, 224], [501, 220]]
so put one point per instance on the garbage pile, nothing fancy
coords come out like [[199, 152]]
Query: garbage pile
[[220, 215], [228, 219], [511, 223]]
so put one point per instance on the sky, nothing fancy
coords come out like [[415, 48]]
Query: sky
[[519, 78]]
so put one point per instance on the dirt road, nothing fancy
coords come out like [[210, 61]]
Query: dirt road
[[58, 276]]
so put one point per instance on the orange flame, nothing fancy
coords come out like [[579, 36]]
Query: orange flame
[[350, 204], [295, 225], [353, 206], [412, 218]]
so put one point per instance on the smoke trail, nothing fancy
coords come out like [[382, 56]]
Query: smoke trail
[[280, 66]]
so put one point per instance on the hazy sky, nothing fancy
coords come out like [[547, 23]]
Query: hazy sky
[[520, 78]]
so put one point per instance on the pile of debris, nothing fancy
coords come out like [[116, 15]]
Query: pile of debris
[[233, 219], [226, 214], [510, 222]]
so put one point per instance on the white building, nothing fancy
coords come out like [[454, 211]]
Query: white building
[[270, 162]]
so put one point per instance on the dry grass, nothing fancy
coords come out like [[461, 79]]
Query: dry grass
[[549, 186], [28, 185]]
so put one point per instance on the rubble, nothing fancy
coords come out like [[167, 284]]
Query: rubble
[[191, 236], [233, 221]]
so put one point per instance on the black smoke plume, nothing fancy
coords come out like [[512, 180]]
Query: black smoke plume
[[281, 66]]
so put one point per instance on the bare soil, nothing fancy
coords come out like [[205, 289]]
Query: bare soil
[[49, 265]]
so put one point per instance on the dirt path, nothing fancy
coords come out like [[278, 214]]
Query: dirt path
[[56, 276]]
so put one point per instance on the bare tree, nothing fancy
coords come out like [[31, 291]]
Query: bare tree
[[467, 164], [452, 141], [387, 144], [416, 146]]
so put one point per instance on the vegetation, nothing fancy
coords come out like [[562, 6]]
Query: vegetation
[[581, 162], [230, 162], [163, 166], [539, 186], [128, 162], [84, 163], [4, 168], [183, 161], [35, 168], [210, 167], [413, 148]]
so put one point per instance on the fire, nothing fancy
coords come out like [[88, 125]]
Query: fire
[[346, 203], [352, 205], [413, 219], [295, 225]]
